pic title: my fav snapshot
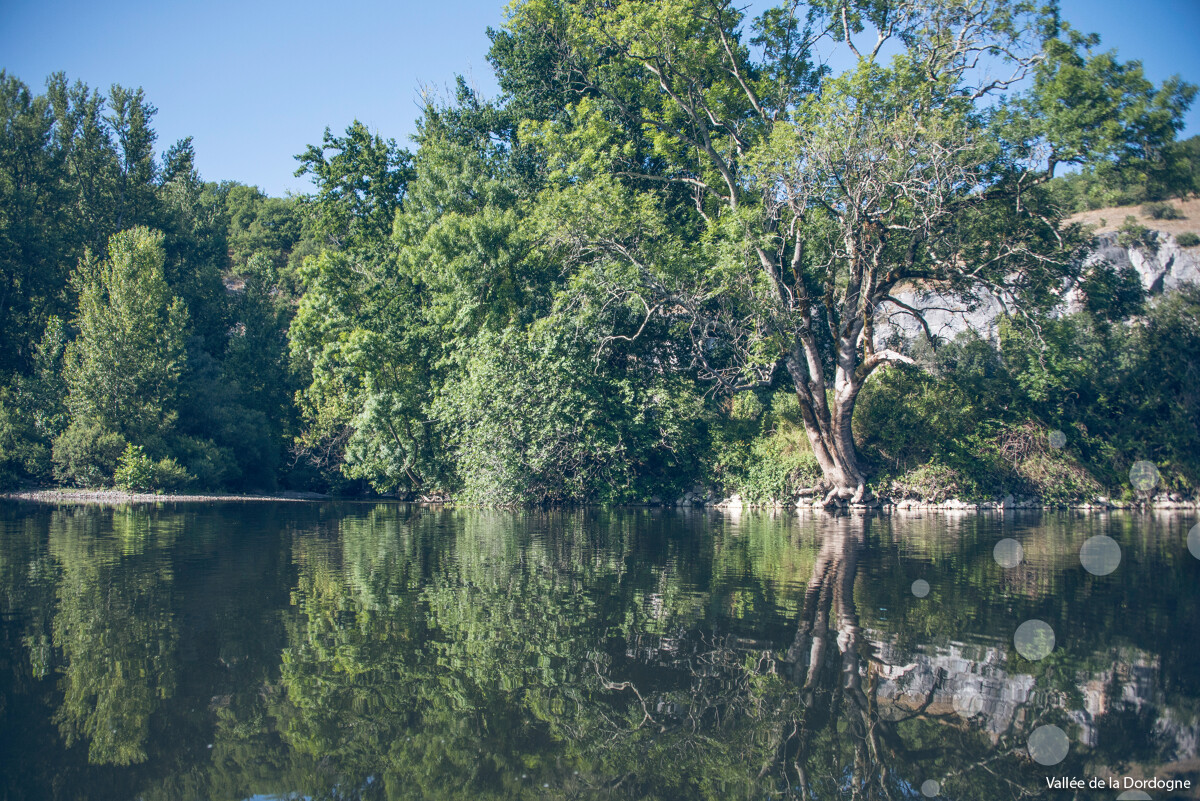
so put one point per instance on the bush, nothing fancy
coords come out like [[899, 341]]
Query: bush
[[782, 463], [1056, 478], [1133, 234], [87, 454], [1162, 211], [207, 464], [761, 450], [1040, 470], [170, 474], [906, 417], [535, 420], [1188, 239], [137, 471], [1113, 293], [934, 483]]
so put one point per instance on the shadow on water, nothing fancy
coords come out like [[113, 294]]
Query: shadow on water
[[387, 652]]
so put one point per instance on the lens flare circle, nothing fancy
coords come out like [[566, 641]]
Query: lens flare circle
[[968, 702], [1008, 553], [1034, 640], [1100, 555], [1143, 476], [1048, 745]]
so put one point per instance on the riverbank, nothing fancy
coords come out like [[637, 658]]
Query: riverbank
[[114, 496], [1008, 503], [732, 502]]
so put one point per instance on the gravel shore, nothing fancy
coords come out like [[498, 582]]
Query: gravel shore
[[112, 496]]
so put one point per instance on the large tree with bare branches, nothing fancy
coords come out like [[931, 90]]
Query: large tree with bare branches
[[776, 194]]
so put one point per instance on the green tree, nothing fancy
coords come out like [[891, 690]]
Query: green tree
[[33, 413], [359, 187], [123, 368], [382, 312], [32, 222], [109, 158], [535, 418], [771, 210], [357, 329], [260, 225]]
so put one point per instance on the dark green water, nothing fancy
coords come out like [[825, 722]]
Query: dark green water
[[231, 651]]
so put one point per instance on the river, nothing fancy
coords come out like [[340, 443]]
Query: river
[[387, 651]]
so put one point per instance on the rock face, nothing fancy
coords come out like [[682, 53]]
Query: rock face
[[947, 316], [1163, 267]]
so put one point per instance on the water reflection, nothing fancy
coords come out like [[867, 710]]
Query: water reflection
[[390, 652], [112, 629]]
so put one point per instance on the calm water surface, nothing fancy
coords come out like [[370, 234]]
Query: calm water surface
[[347, 651]]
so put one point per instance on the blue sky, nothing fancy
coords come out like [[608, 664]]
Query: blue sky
[[255, 82]]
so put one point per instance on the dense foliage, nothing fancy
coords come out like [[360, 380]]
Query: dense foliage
[[654, 266], [119, 325], [1172, 172]]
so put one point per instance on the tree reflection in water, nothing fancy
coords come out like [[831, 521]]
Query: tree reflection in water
[[407, 654], [809, 728], [113, 628]]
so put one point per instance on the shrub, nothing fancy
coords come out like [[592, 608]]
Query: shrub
[[1056, 478], [1113, 293], [87, 454], [933, 482], [534, 420], [906, 417], [782, 463], [1051, 474], [761, 450], [1162, 211], [170, 474], [1188, 239], [137, 471], [1133, 234]]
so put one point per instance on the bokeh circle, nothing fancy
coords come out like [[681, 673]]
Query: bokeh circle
[[968, 702], [1034, 639], [1194, 540], [1057, 439], [920, 588], [1100, 555], [1143, 476], [1008, 553], [1048, 745], [930, 788], [1134, 795]]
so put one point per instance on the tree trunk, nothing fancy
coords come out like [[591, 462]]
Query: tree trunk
[[829, 430]]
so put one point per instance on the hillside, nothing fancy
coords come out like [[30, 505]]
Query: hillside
[[1110, 219]]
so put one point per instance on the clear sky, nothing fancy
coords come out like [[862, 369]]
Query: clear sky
[[255, 81]]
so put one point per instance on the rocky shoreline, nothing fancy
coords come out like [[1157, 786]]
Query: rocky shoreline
[[1008, 503], [689, 500]]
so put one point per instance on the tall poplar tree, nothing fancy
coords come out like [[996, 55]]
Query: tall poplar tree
[[123, 368]]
